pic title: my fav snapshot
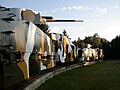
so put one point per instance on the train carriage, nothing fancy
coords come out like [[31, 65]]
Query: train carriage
[[25, 50], [65, 50]]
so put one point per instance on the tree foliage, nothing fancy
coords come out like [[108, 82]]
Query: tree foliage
[[115, 47], [111, 49], [65, 33], [96, 40]]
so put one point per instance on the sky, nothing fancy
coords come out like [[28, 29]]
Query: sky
[[99, 16]]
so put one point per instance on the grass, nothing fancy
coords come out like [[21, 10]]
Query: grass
[[100, 76]]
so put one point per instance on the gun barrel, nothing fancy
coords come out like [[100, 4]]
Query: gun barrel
[[51, 20]]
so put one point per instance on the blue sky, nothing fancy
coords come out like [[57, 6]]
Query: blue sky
[[100, 16]]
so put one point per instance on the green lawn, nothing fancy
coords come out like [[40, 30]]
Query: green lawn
[[100, 76]]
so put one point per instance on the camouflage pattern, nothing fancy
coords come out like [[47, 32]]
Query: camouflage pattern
[[65, 50], [89, 54], [25, 50]]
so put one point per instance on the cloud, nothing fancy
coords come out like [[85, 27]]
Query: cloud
[[72, 8], [69, 8], [94, 11], [101, 11], [63, 9], [114, 7]]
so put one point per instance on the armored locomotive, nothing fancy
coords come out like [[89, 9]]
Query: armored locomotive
[[25, 50]]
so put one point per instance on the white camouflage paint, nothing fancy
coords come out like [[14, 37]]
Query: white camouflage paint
[[42, 67], [62, 58], [48, 40], [29, 44], [53, 60]]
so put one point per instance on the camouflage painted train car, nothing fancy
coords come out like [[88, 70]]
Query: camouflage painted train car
[[90, 54], [25, 49], [65, 50]]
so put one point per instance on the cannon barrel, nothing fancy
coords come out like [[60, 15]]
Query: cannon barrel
[[50, 19]]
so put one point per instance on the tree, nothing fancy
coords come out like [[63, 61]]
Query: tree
[[115, 48], [65, 33], [96, 40], [96, 35], [88, 40], [106, 46]]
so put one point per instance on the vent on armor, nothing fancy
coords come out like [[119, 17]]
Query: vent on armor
[[8, 19], [11, 14], [4, 9], [7, 32]]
